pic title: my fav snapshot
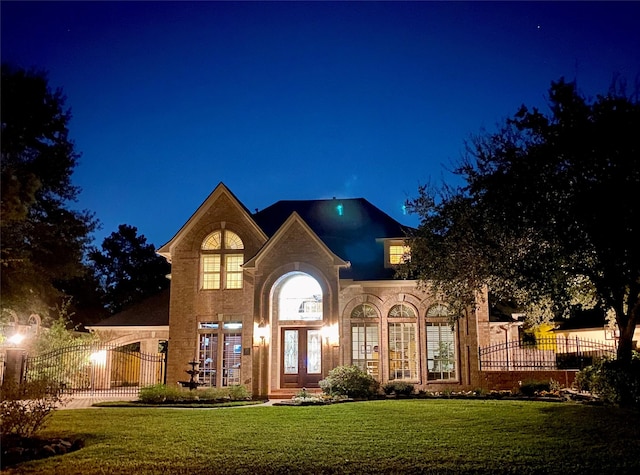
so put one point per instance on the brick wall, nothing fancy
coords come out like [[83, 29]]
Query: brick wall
[[511, 380]]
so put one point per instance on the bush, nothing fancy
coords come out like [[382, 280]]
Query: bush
[[531, 388], [349, 381], [612, 382], [399, 388], [24, 408], [162, 394]]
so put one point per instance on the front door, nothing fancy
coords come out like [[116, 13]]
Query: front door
[[301, 357]]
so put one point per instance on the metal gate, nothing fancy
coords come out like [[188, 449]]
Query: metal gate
[[98, 369]]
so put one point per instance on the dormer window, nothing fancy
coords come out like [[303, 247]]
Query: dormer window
[[396, 253], [221, 263]]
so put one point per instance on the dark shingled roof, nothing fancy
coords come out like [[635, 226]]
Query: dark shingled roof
[[352, 228], [151, 312]]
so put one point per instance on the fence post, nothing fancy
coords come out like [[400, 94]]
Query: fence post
[[15, 366]]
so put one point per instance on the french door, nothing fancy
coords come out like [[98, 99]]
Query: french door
[[301, 357]]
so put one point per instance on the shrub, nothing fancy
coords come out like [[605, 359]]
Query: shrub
[[238, 392], [612, 382], [349, 381], [24, 408], [162, 394], [531, 388], [399, 388]]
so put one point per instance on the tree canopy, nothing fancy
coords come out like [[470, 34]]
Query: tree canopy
[[43, 240], [549, 215], [128, 268]]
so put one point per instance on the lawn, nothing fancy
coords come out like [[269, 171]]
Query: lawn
[[393, 437]]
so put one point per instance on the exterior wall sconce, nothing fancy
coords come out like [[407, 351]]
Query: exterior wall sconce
[[260, 333], [16, 339], [331, 334], [99, 358]]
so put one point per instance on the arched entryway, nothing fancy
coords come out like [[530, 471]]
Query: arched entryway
[[297, 316]]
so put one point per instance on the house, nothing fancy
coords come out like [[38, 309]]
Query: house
[[275, 299]]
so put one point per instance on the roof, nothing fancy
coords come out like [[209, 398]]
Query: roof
[[353, 229], [152, 312]]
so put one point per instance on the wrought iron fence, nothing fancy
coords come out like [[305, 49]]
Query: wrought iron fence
[[98, 369], [544, 354]]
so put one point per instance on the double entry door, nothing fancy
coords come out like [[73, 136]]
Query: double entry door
[[301, 356]]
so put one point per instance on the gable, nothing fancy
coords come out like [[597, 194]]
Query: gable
[[221, 194], [300, 241]]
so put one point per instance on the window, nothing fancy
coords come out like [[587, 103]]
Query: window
[[365, 350], [403, 355], [397, 253], [402, 311], [441, 362], [211, 354], [300, 298], [365, 345], [221, 265]]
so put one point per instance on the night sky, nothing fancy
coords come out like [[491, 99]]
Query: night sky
[[293, 100]]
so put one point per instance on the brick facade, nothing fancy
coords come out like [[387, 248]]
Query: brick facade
[[294, 248]]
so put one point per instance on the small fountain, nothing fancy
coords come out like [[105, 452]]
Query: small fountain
[[193, 373]]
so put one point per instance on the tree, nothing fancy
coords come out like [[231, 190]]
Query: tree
[[43, 241], [129, 269], [549, 215]]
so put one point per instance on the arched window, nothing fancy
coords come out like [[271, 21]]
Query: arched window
[[221, 264], [441, 344], [300, 298], [364, 310], [402, 311], [403, 349], [365, 347]]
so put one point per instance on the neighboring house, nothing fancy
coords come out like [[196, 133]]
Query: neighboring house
[[275, 299]]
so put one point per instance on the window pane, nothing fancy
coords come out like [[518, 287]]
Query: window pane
[[440, 351], [402, 311], [231, 358], [208, 359], [314, 352], [212, 241], [291, 352], [232, 241], [403, 361], [398, 254], [233, 265], [211, 272], [365, 348], [364, 311], [300, 299]]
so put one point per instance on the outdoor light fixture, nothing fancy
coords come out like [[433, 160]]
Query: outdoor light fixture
[[98, 357], [330, 334], [260, 332], [16, 339]]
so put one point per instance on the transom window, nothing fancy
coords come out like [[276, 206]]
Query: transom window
[[300, 298], [402, 311], [221, 264], [364, 310]]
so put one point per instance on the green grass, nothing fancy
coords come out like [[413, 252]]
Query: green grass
[[392, 437]]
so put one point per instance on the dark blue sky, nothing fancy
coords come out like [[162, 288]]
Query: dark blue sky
[[292, 100]]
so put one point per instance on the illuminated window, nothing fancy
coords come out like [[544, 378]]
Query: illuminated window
[[364, 311], [365, 348], [220, 364], [441, 363], [403, 351], [300, 298], [398, 254], [402, 311], [221, 265]]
